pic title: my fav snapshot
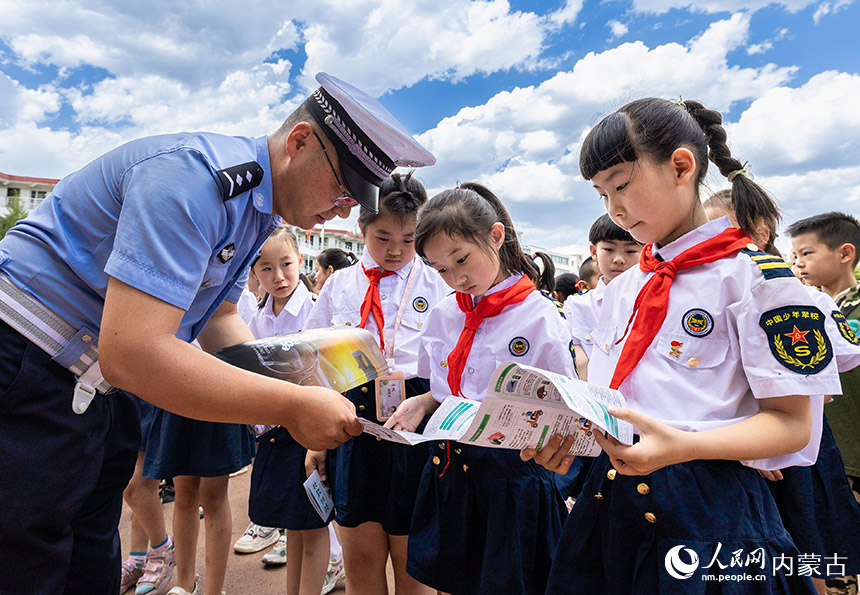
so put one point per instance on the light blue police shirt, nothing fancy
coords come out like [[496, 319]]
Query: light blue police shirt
[[151, 214]]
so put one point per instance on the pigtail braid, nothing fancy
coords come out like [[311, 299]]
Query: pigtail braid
[[752, 204]]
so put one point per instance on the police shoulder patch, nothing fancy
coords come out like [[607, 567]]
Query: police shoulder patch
[[518, 346], [797, 339], [420, 304], [845, 327], [239, 178], [770, 266]]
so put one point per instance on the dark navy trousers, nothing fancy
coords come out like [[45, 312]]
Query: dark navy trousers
[[61, 476]]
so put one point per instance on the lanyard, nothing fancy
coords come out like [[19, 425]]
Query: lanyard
[[389, 341]]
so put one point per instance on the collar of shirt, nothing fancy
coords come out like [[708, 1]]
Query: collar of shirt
[[402, 272], [262, 194], [690, 239], [504, 284], [294, 305]]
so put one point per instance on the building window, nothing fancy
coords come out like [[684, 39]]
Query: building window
[[12, 193]]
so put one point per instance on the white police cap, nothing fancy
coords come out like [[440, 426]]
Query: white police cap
[[369, 141]]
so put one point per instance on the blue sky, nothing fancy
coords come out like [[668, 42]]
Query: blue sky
[[502, 92]]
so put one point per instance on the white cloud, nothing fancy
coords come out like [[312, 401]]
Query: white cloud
[[816, 125], [826, 8], [618, 28], [714, 6]]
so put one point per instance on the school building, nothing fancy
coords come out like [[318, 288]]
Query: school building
[[31, 191], [564, 263], [313, 241]]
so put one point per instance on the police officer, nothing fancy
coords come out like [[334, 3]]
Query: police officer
[[105, 284]]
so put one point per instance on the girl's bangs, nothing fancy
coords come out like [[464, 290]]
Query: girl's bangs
[[609, 143]]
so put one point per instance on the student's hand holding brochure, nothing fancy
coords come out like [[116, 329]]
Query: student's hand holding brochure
[[524, 407]]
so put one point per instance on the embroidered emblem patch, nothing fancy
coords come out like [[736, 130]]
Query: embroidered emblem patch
[[518, 346], [797, 338], [227, 253], [845, 328], [420, 304], [675, 348], [698, 323]]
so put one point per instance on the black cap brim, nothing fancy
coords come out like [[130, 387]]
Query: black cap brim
[[364, 192]]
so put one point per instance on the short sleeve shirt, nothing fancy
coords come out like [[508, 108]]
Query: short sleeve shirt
[[264, 323], [716, 352], [531, 332], [581, 312], [152, 214]]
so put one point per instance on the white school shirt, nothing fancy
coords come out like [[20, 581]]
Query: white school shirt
[[339, 303], [247, 305], [531, 332], [581, 312], [712, 358], [291, 319]]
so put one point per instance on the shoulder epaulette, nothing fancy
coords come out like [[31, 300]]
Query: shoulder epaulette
[[557, 303], [239, 178], [771, 266]]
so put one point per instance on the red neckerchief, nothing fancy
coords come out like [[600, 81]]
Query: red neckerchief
[[490, 305], [652, 303], [372, 303]]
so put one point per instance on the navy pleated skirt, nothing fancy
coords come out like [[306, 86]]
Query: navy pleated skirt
[[372, 480], [657, 534], [278, 497], [819, 510], [147, 415], [182, 446], [485, 524]]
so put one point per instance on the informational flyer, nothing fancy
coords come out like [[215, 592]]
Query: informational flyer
[[524, 407], [340, 358]]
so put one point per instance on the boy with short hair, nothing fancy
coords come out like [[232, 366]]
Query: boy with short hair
[[589, 275], [827, 249], [614, 251]]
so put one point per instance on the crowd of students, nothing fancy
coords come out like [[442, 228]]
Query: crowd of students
[[733, 449]]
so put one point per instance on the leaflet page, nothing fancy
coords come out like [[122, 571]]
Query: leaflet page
[[449, 422]]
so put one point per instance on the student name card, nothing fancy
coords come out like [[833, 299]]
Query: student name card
[[524, 407], [320, 496]]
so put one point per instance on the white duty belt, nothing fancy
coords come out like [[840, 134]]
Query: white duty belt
[[73, 349]]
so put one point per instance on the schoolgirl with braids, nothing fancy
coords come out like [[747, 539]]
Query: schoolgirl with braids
[[485, 522], [390, 292], [716, 347]]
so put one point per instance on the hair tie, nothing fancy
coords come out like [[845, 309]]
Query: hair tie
[[681, 103], [533, 255], [743, 171]]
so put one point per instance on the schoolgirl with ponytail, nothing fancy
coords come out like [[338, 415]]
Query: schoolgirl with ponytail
[[716, 347], [485, 522], [390, 292]]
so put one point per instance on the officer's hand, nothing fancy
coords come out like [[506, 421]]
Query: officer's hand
[[554, 456], [315, 461], [321, 418]]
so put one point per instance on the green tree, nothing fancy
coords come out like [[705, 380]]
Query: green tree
[[15, 212]]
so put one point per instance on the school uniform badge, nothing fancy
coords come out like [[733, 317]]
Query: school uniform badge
[[797, 338], [227, 253], [518, 346], [419, 304], [845, 328], [697, 323]]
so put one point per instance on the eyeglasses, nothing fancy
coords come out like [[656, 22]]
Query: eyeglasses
[[345, 199]]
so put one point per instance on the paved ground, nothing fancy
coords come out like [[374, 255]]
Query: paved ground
[[246, 574]]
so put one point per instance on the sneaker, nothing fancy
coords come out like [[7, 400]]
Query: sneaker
[[157, 572], [180, 591], [131, 572], [166, 491], [334, 574], [278, 555], [256, 538]]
